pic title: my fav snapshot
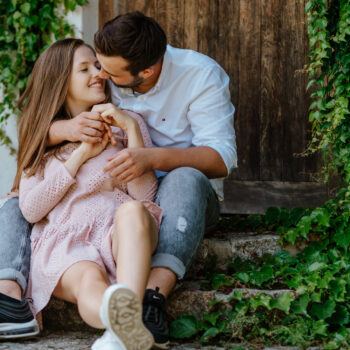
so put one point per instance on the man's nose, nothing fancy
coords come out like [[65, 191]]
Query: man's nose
[[103, 74]]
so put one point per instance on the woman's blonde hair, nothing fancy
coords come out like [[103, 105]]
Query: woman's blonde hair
[[43, 102]]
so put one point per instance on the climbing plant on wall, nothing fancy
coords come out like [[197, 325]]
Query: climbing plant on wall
[[317, 309], [26, 29]]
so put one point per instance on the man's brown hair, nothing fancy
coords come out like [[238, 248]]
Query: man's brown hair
[[135, 37]]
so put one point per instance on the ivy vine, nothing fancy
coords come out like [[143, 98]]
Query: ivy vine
[[27, 28], [317, 311]]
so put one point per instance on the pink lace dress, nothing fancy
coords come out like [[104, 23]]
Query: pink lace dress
[[74, 216]]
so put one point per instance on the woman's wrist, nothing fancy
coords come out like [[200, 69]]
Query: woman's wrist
[[81, 153], [131, 124]]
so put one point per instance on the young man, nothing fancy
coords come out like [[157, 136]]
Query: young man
[[185, 100]]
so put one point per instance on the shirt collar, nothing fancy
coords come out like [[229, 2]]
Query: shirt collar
[[165, 68]]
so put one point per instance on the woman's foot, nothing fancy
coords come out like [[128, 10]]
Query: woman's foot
[[121, 313]]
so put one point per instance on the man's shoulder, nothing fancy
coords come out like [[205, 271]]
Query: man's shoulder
[[187, 59]]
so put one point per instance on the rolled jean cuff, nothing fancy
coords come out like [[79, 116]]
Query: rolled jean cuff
[[169, 261], [13, 275]]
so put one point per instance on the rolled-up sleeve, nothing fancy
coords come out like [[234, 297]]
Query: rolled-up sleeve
[[211, 115]]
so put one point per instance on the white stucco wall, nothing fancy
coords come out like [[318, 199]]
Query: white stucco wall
[[86, 22]]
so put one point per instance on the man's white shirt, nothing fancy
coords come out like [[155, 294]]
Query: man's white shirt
[[190, 105]]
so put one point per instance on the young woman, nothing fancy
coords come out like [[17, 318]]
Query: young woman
[[90, 229]]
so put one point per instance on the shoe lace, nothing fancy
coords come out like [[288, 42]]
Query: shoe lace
[[152, 312]]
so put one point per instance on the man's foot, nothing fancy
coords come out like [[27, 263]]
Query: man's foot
[[16, 319], [154, 317], [121, 313]]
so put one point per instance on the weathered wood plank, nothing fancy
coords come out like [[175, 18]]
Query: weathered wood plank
[[228, 43], [247, 104], [254, 197], [170, 17], [105, 11], [191, 30], [207, 23], [295, 100], [271, 123]]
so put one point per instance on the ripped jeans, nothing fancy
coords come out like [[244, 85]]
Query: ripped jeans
[[190, 207]]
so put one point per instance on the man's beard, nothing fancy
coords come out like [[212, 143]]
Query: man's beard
[[135, 83]]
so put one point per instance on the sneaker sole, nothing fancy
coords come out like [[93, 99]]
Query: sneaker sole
[[163, 346], [19, 330], [125, 319]]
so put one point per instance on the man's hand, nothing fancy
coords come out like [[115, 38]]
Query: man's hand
[[130, 163], [86, 127]]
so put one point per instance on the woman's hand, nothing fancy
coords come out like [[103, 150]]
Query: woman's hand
[[91, 150], [114, 116]]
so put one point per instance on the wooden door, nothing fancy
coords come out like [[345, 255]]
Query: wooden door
[[262, 45]]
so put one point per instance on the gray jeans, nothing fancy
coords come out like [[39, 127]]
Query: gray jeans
[[190, 207], [14, 243]]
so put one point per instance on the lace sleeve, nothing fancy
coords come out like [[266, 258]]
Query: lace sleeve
[[38, 195], [144, 187]]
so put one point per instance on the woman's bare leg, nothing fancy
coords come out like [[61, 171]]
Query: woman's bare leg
[[134, 240], [84, 284]]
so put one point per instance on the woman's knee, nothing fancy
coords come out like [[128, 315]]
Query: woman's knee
[[132, 218], [132, 212]]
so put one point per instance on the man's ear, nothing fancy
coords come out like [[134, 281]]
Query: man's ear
[[146, 73]]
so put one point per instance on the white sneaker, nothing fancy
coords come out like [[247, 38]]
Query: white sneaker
[[108, 341], [121, 313]]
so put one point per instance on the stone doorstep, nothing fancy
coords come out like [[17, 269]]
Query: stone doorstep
[[247, 246], [187, 298], [60, 340]]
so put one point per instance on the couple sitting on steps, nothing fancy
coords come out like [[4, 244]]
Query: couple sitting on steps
[[116, 149]]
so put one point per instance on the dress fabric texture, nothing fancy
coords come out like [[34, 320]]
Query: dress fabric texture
[[74, 216]]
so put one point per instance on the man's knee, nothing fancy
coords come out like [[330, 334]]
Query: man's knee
[[189, 179]]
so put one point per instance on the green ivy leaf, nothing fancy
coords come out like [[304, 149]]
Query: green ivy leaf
[[272, 215], [304, 226], [212, 318], [259, 277], [242, 277], [282, 303], [220, 280], [184, 327], [342, 238], [210, 333], [324, 310], [260, 300], [300, 306], [341, 316]]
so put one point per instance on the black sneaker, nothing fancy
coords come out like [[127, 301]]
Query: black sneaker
[[16, 318], [154, 317]]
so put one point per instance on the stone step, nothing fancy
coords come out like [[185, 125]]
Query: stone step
[[59, 340], [187, 298], [247, 246]]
